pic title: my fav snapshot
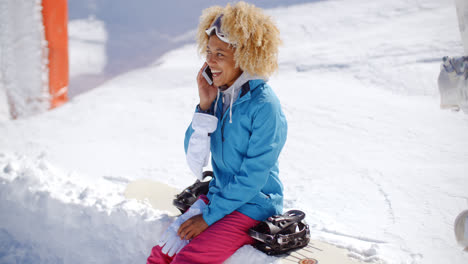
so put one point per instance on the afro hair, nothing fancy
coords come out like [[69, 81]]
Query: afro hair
[[253, 34]]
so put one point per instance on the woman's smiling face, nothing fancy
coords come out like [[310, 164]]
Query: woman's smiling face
[[220, 58]]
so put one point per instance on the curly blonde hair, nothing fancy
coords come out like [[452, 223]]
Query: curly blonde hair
[[254, 35]]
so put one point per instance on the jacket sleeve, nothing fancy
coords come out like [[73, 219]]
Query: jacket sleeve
[[268, 136], [197, 142], [189, 131]]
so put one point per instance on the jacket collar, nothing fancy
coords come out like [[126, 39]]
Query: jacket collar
[[247, 88], [239, 92]]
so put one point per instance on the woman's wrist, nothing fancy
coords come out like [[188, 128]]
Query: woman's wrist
[[204, 106]]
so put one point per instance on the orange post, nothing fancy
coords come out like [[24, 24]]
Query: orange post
[[55, 19]]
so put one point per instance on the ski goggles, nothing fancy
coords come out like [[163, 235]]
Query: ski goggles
[[216, 26]]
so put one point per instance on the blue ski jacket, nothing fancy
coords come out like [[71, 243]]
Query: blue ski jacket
[[244, 155]]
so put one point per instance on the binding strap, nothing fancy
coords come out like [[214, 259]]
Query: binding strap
[[281, 233]]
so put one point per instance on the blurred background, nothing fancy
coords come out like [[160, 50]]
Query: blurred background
[[109, 37]]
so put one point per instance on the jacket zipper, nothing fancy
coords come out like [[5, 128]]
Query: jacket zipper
[[224, 116], [223, 120], [222, 132]]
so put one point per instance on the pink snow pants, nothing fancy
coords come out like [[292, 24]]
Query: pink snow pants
[[214, 245]]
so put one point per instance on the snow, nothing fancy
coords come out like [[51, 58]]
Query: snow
[[462, 14], [136, 34], [88, 39], [23, 60], [378, 168]]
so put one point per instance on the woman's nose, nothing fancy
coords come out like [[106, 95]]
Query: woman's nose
[[209, 60]]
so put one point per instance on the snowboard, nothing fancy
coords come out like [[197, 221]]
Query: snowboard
[[318, 252], [160, 197]]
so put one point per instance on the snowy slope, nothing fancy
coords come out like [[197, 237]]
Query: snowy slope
[[370, 157], [136, 34]]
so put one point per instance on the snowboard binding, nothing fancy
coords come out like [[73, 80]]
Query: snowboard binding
[[281, 233], [189, 195]]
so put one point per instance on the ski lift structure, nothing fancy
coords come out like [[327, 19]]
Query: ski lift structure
[[453, 77], [34, 57], [55, 19]]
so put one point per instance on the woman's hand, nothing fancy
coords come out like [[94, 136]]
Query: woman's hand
[[192, 227], [206, 92]]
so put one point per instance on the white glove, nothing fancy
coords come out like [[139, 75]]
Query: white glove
[[170, 242], [198, 151]]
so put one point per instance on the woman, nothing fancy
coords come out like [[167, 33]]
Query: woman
[[239, 119]]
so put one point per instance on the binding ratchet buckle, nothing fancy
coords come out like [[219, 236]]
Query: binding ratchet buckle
[[189, 195], [281, 233]]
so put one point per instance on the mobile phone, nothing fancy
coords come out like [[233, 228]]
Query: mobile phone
[[208, 75]]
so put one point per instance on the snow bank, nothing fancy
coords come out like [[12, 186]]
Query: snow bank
[[46, 218], [23, 59], [53, 219]]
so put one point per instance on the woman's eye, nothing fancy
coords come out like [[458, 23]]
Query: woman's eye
[[219, 55]]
